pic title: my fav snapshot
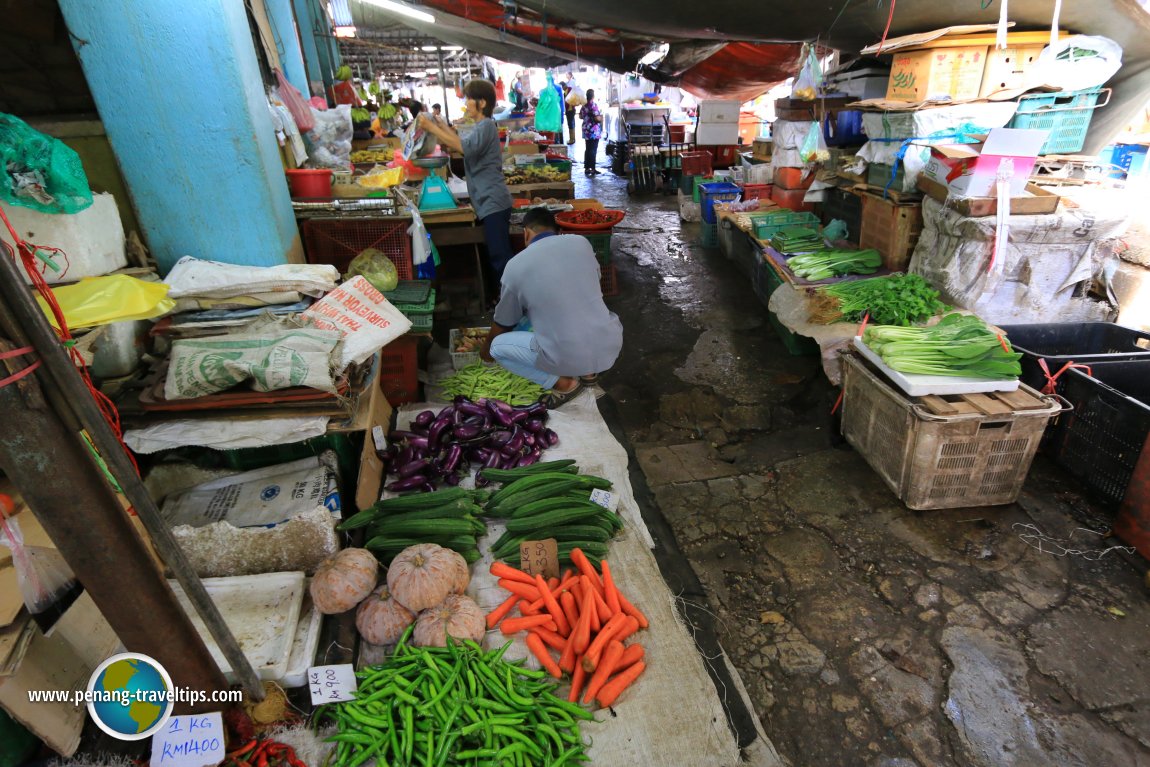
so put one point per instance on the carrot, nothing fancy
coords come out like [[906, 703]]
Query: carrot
[[552, 606], [528, 592], [552, 583], [581, 635], [526, 608], [601, 607], [501, 570], [632, 654], [499, 613], [577, 680], [579, 559], [595, 649], [568, 659], [611, 657], [630, 626], [570, 609], [536, 646], [589, 604], [610, 691], [550, 638], [633, 611], [610, 593], [511, 625]]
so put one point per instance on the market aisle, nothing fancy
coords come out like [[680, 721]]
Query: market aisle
[[865, 633]]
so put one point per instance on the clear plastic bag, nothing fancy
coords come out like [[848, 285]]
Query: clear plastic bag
[[376, 268], [330, 141], [814, 148], [42, 574], [810, 77]]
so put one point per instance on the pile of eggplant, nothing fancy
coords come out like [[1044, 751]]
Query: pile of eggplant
[[440, 448]]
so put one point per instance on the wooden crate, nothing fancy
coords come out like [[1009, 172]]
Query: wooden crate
[[891, 229]]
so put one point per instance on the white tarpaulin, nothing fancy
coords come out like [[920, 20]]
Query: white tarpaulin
[[224, 433], [197, 278]]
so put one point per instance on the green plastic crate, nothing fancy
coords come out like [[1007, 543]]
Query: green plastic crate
[[1066, 115], [409, 292], [421, 323], [768, 224], [696, 192], [709, 235], [766, 282], [601, 243], [423, 307]]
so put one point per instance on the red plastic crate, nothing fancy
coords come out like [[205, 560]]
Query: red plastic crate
[[337, 242], [792, 178], [756, 192], [609, 281], [791, 199], [724, 156], [696, 163], [399, 370]]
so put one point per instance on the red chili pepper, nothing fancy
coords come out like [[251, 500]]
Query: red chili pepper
[[243, 749]]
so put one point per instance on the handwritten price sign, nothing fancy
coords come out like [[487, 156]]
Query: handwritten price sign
[[189, 741], [540, 558], [331, 684]]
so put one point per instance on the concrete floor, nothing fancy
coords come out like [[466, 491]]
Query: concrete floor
[[865, 633]]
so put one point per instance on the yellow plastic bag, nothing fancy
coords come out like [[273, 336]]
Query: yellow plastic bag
[[381, 178], [114, 298]]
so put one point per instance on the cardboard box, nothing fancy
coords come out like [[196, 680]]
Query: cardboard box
[[373, 417], [1009, 69], [1035, 201], [937, 73], [518, 149], [970, 170], [761, 148]]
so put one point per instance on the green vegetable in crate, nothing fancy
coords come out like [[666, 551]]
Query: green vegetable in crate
[[454, 705], [480, 381], [797, 239], [898, 299], [959, 345], [835, 263]]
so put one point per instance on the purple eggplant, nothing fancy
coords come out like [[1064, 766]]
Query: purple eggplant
[[533, 425], [481, 481], [447, 411], [537, 410], [405, 455], [515, 443], [451, 480], [424, 419], [418, 444], [499, 415], [494, 461], [417, 466], [436, 433], [529, 439], [510, 463], [500, 438], [528, 459], [399, 436], [519, 416], [466, 432], [471, 409], [454, 453], [416, 482], [501, 405], [551, 437]]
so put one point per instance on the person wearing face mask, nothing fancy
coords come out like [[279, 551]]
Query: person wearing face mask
[[552, 287], [483, 169]]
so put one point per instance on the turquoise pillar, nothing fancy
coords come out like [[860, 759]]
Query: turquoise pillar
[[308, 20], [182, 100], [288, 42]]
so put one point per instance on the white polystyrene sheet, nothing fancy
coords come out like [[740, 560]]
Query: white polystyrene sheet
[[917, 385], [225, 433], [643, 729], [92, 239], [304, 644]]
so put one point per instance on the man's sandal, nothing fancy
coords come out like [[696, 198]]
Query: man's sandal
[[557, 399]]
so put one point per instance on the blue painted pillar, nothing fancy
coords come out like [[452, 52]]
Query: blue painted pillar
[[287, 40], [318, 72], [182, 100]]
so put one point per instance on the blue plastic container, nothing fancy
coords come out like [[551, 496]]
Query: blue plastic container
[[719, 191], [844, 128]]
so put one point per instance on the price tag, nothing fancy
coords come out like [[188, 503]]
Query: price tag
[[195, 740], [380, 439], [540, 558], [331, 684], [603, 498]]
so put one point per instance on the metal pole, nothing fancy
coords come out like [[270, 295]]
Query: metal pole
[[21, 316], [85, 521], [443, 83]]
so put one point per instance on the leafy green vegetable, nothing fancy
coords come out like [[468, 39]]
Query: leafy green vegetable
[[835, 263], [959, 345], [898, 299]]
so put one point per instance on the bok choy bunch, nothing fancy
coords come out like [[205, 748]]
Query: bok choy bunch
[[835, 263], [959, 345]]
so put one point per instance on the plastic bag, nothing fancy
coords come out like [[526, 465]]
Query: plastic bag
[[836, 230], [376, 268], [576, 97], [330, 140], [112, 298], [810, 77], [549, 112], [38, 171], [382, 178], [42, 574], [1079, 62], [814, 148], [296, 103]]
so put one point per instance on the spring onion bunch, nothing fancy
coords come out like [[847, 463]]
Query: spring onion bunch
[[959, 345]]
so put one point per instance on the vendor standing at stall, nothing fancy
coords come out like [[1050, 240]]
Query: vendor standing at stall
[[483, 168], [552, 286]]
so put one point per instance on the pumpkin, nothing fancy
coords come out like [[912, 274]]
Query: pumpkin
[[458, 616], [463, 574], [341, 582], [421, 576], [382, 619]]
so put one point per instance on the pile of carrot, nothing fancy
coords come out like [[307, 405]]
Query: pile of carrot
[[584, 617]]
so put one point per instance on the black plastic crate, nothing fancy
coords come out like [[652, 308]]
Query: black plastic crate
[[1101, 440], [1079, 342], [845, 206]]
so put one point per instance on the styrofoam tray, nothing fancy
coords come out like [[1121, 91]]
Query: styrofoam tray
[[304, 645], [261, 610], [918, 385]]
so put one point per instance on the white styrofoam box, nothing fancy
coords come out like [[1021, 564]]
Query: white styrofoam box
[[93, 239], [304, 645], [717, 134], [718, 111]]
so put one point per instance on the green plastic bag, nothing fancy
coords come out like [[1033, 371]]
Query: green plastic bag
[[549, 110], [376, 268], [38, 171]]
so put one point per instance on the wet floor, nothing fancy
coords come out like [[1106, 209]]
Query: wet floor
[[865, 633]]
